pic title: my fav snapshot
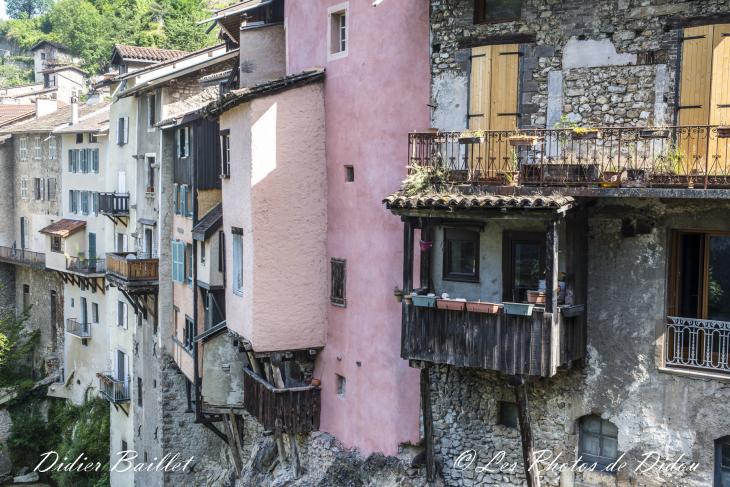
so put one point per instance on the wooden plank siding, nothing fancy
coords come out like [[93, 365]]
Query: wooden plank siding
[[203, 165], [506, 343]]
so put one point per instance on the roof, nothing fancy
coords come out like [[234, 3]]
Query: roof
[[209, 224], [64, 67], [63, 228], [151, 54], [154, 67], [15, 113], [94, 123], [54, 120], [244, 95], [54, 44], [456, 199], [36, 92], [216, 76]]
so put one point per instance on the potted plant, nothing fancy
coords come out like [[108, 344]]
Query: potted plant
[[723, 131], [479, 307], [536, 297], [408, 298], [611, 177], [426, 246], [519, 309], [513, 175], [424, 301], [398, 294], [523, 139], [654, 133], [450, 304], [421, 179], [585, 133], [472, 137]]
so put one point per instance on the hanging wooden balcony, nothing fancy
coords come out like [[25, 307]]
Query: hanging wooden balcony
[[132, 272], [22, 257]]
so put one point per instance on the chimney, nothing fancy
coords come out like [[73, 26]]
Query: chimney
[[93, 98], [74, 111], [44, 106]]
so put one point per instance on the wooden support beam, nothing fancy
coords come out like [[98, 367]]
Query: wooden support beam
[[407, 277], [276, 360], [131, 301], [236, 436], [254, 364], [551, 294], [149, 310], [296, 466], [232, 444], [428, 421], [523, 414], [426, 236], [216, 431]]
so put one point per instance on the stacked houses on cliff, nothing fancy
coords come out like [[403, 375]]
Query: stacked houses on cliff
[[545, 183]]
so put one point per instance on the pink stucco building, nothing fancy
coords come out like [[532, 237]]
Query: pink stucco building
[[376, 90]]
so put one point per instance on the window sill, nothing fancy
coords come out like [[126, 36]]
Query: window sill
[[694, 374], [225, 176], [238, 293], [499, 21]]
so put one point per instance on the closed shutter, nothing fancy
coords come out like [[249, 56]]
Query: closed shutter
[[96, 160], [92, 246], [696, 76], [720, 97], [43, 188], [85, 202], [126, 129], [174, 261], [176, 196]]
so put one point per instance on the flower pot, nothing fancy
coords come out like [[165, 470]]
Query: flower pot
[[536, 297], [472, 140], [426, 246], [479, 307], [591, 134], [398, 296], [512, 178], [316, 382], [424, 301], [519, 309], [723, 132], [408, 298], [583, 172], [610, 178], [654, 134], [529, 140], [571, 311], [450, 305]]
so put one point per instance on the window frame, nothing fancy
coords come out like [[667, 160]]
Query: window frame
[[52, 152], [479, 14], [37, 148], [237, 254], [459, 235], [23, 149], [502, 405], [588, 459], [338, 300], [508, 239], [335, 29], [24, 189], [725, 440], [188, 333], [51, 193], [151, 110], [56, 244]]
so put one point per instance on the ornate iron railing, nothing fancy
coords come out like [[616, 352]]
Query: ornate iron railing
[[698, 344], [688, 156], [81, 330], [116, 391]]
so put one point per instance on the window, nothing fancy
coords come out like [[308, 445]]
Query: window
[[598, 441], [94, 155], [138, 319], [349, 174], [151, 110], [178, 261], [188, 202], [80, 138], [51, 189], [95, 313], [37, 148], [189, 333], [461, 255], [43, 56], [139, 393], [39, 186], [341, 385], [122, 314], [85, 202], [94, 202], [226, 146], [189, 263], [150, 175], [722, 462], [26, 297], [237, 260], [24, 188], [176, 197], [508, 415], [83, 157], [338, 35], [24, 233], [183, 142], [93, 138], [23, 149], [498, 10], [72, 302], [221, 251], [122, 130], [337, 280], [55, 243], [71, 201], [523, 264], [202, 253]]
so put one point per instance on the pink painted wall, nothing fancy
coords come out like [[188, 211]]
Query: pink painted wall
[[277, 194], [373, 97]]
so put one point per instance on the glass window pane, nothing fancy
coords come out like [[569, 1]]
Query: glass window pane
[[502, 9], [463, 257], [509, 415], [689, 275], [609, 429], [527, 269], [609, 448], [726, 455], [591, 445], [718, 299], [592, 424], [725, 478]]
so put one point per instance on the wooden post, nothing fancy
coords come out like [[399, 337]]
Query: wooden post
[[236, 436], [523, 413], [232, 445], [551, 267], [428, 421], [425, 258], [295, 465], [276, 360], [407, 276]]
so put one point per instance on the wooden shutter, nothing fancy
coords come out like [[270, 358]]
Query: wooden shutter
[[96, 160], [126, 129], [505, 84], [480, 88], [338, 281], [696, 76]]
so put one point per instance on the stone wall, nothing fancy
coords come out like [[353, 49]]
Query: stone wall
[[189, 94]]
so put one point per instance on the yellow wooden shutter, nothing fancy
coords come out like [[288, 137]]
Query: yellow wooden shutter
[[696, 76], [505, 85], [480, 87], [720, 97]]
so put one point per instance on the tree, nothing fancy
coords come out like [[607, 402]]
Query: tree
[[18, 9], [16, 344]]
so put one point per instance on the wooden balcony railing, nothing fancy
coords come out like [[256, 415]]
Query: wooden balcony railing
[[81, 330], [510, 344], [87, 266], [116, 391], [283, 411], [120, 265], [114, 204], [702, 345], [682, 157], [21, 256]]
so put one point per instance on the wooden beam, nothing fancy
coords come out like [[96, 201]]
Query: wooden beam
[[528, 444], [131, 301], [216, 431], [232, 444], [236, 437], [426, 236], [428, 421], [296, 465], [477, 41]]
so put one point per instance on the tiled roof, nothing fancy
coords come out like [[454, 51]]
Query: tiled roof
[[54, 120], [36, 92], [64, 67], [154, 67], [147, 53], [94, 123], [15, 113], [63, 228], [236, 97], [455, 199], [54, 44], [235, 7], [209, 224]]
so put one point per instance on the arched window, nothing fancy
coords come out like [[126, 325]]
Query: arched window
[[722, 462], [598, 441]]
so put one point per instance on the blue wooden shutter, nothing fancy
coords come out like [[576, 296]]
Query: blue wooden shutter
[[96, 160]]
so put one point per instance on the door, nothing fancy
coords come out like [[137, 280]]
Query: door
[[493, 105], [92, 251], [84, 316], [121, 365], [148, 243]]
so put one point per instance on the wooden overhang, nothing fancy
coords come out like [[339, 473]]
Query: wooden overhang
[[209, 224], [63, 228]]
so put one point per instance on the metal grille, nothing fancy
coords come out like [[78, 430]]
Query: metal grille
[[339, 277], [700, 344]]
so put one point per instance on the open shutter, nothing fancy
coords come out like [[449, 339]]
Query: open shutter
[[126, 129], [96, 160], [187, 141], [124, 324], [43, 188], [480, 88], [70, 161], [124, 243], [176, 196]]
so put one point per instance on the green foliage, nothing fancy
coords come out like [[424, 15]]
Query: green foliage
[[16, 344], [715, 292], [16, 9], [30, 435], [421, 178]]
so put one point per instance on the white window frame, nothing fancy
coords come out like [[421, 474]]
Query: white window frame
[[237, 253], [23, 149], [122, 315], [52, 182], [37, 148], [334, 30], [24, 189]]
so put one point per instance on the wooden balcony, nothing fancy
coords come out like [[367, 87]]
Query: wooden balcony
[[131, 272], [114, 204], [283, 411], [22, 257], [681, 157]]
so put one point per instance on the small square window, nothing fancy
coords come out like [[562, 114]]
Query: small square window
[[498, 10], [85, 342], [349, 174], [508, 414], [341, 385], [79, 138], [93, 138], [461, 255], [72, 302], [338, 34]]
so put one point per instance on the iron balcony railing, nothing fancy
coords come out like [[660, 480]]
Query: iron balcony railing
[[126, 266], [21, 256], [115, 204], [87, 266], [116, 391], [685, 157], [81, 330], [698, 344]]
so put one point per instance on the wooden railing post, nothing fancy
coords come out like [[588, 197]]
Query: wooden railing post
[[528, 444], [428, 421]]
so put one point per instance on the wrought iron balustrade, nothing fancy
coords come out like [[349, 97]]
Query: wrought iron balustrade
[[81, 330], [681, 156], [116, 391], [698, 344], [87, 266], [22, 256]]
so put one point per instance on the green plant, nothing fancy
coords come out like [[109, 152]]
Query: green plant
[[421, 178], [469, 134], [515, 162], [671, 160]]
